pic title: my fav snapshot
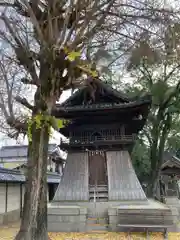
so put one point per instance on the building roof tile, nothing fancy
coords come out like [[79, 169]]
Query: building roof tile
[[11, 175], [18, 151]]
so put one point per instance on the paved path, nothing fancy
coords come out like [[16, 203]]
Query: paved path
[[9, 232]]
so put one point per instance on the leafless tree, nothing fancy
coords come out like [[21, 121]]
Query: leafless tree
[[13, 115]]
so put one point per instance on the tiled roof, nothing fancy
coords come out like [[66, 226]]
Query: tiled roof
[[10, 175], [53, 177], [18, 151], [170, 160], [106, 87], [168, 156]]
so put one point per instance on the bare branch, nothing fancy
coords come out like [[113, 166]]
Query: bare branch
[[34, 21], [24, 102], [11, 30], [9, 91], [5, 4], [98, 24], [17, 124], [28, 81]]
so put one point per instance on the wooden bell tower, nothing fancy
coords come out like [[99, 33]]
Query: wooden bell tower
[[108, 125], [99, 180]]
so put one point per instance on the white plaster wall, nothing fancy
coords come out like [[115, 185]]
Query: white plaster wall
[[13, 196], [13, 201]]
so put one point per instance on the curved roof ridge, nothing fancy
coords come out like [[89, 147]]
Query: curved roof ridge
[[106, 86]]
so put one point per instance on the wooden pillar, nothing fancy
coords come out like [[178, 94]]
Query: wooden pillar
[[48, 190], [122, 129], [6, 198]]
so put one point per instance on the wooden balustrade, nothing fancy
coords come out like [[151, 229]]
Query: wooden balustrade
[[84, 140]]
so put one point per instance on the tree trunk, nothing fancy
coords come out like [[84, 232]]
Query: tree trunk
[[153, 159], [155, 175], [157, 151], [34, 219]]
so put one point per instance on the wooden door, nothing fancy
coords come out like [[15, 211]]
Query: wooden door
[[97, 169]]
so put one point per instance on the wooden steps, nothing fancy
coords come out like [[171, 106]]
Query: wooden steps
[[95, 224], [98, 193]]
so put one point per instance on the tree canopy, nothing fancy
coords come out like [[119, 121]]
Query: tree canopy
[[154, 65]]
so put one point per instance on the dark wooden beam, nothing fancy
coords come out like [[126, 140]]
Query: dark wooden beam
[[170, 171], [104, 147]]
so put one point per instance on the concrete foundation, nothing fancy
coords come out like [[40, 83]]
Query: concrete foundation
[[66, 217], [173, 201], [73, 211], [174, 204], [153, 213], [10, 217]]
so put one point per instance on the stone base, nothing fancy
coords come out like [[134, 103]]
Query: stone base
[[154, 213], [10, 217], [174, 204], [76, 217], [67, 219], [172, 201]]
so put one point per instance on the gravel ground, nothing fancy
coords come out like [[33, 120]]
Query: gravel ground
[[8, 233]]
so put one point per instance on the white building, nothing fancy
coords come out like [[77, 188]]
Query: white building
[[12, 193], [16, 155], [13, 163]]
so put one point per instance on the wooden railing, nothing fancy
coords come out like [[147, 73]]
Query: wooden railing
[[102, 139]]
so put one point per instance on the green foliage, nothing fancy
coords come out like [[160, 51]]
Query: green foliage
[[41, 120], [73, 55], [157, 71], [173, 143], [173, 140], [141, 160], [58, 123], [29, 131], [87, 69], [158, 91], [38, 121]]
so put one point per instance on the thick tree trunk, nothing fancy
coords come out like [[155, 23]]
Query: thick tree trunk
[[156, 155], [155, 175], [34, 219]]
